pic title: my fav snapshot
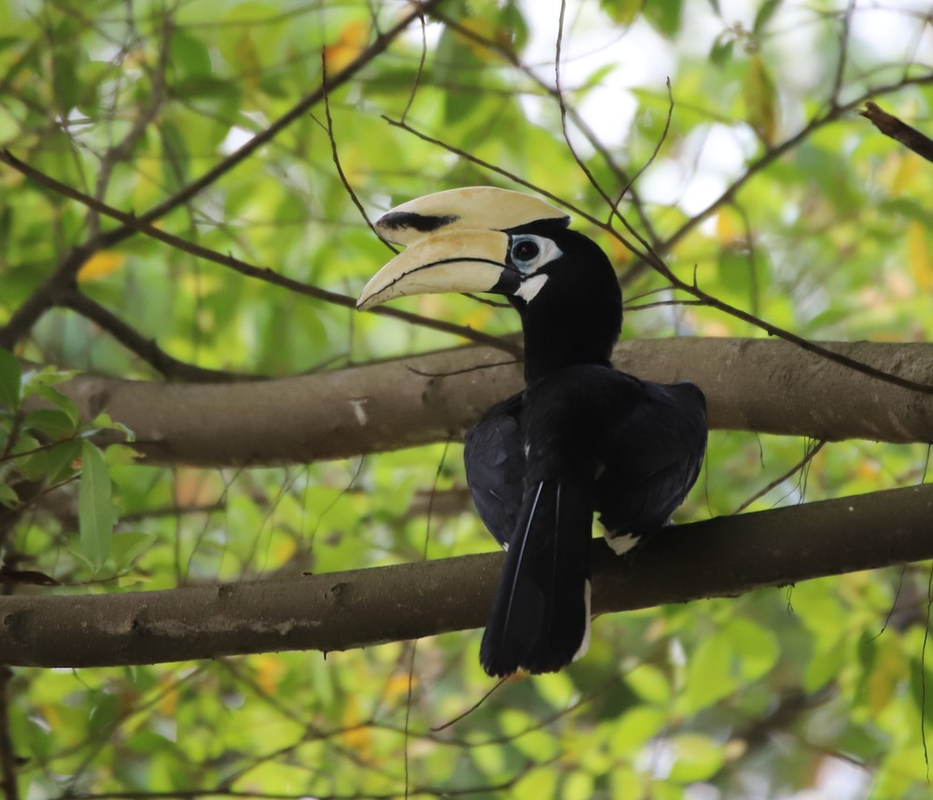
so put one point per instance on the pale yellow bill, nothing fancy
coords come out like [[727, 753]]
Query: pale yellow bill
[[459, 260]]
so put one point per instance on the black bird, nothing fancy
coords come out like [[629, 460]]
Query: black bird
[[581, 438]]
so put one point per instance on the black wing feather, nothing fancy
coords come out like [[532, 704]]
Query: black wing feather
[[495, 467]]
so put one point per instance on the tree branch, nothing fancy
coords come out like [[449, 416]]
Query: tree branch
[[145, 348], [750, 384], [900, 131], [62, 285], [718, 558]]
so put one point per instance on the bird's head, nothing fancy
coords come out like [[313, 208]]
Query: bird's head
[[485, 239]]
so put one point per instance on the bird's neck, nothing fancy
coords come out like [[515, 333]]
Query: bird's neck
[[568, 335]]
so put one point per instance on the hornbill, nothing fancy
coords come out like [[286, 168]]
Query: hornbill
[[581, 438]]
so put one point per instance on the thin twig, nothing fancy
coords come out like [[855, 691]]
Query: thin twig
[[335, 156], [472, 708], [260, 273], [42, 299], [621, 176], [654, 153], [843, 52], [807, 458], [417, 81], [654, 259]]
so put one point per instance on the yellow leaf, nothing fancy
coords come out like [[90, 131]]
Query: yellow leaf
[[349, 45], [356, 735], [485, 30], [619, 254], [248, 62], [888, 671], [918, 255], [101, 264], [478, 318], [398, 685], [726, 230], [268, 671], [168, 702], [761, 101], [909, 167]]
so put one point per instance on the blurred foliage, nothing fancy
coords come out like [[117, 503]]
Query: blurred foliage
[[768, 188]]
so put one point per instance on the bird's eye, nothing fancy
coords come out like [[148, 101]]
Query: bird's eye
[[529, 252], [525, 251]]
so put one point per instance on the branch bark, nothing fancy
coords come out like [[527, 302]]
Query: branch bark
[[751, 384], [716, 558]]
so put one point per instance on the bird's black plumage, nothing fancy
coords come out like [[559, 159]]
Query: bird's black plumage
[[582, 438]]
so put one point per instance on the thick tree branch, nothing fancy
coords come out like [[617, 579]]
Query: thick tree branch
[[717, 558], [751, 384]]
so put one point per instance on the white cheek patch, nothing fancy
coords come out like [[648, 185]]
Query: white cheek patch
[[530, 287]]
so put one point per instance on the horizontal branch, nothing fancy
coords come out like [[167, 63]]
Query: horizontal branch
[[751, 384], [717, 558]]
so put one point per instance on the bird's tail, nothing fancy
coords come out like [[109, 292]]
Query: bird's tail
[[540, 618]]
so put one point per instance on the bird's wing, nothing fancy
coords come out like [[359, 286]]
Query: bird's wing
[[495, 466], [655, 449], [540, 617]]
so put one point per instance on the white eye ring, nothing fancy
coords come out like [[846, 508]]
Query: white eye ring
[[529, 252]]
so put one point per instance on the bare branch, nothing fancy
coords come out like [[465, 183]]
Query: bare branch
[[721, 557]]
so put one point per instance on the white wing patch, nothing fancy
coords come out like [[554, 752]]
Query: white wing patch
[[530, 287], [621, 544], [585, 644]]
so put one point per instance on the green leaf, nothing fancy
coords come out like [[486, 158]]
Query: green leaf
[[763, 17], [189, 55], [622, 11], [649, 683], [756, 647], [761, 100], [696, 757], [709, 674], [127, 546], [8, 497], [67, 86], [95, 506], [50, 421], [636, 727], [10, 381], [665, 15], [61, 402], [59, 459], [721, 51]]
